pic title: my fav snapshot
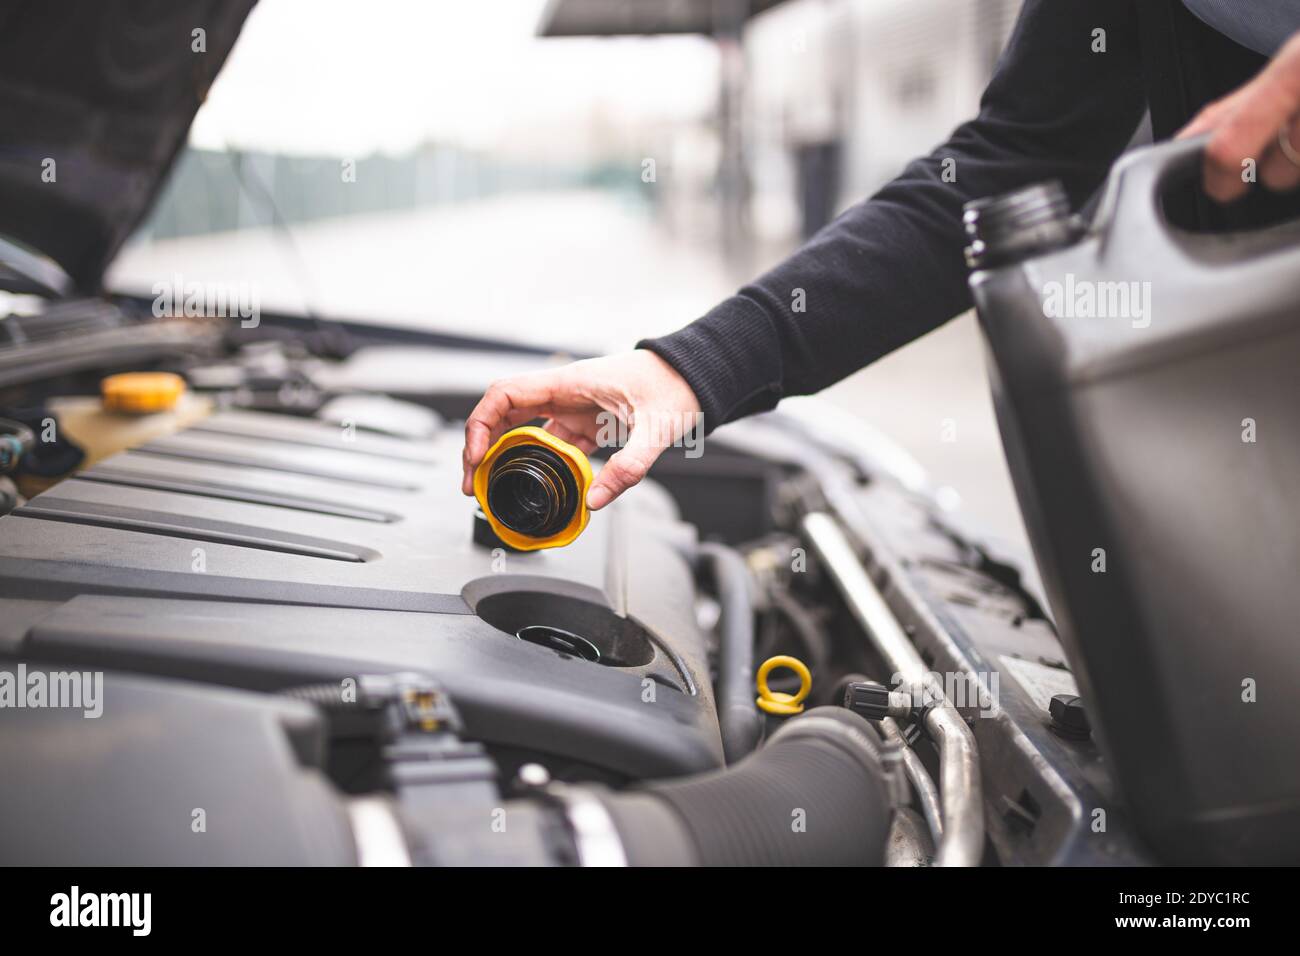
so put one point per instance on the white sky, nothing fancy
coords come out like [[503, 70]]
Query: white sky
[[349, 78]]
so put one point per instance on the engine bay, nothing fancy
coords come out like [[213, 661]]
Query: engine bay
[[304, 632]]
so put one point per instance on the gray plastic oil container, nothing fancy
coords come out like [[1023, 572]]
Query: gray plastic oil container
[[1147, 385]]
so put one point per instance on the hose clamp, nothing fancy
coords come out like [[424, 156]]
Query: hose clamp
[[595, 837], [377, 833]]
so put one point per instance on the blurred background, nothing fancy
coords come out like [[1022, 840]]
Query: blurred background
[[580, 174]]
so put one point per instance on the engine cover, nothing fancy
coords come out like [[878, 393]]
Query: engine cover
[[263, 551]]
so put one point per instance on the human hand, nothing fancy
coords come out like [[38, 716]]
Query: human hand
[[581, 402], [1250, 124]]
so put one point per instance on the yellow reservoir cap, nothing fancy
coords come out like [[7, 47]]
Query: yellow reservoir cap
[[142, 391], [530, 477], [775, 702]]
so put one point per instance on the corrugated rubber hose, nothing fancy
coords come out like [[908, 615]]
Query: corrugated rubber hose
[[816, 795]]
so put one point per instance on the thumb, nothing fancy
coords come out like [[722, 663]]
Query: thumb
[[624, 469]]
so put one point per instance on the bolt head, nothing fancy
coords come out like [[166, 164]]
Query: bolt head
[[1069, 716]]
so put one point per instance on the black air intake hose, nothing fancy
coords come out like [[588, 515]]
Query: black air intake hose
[[816, 795]]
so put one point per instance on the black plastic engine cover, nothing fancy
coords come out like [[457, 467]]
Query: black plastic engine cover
[[263, 551], [170, 774]]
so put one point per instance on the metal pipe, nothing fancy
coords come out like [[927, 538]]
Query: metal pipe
[[959, 785], [962, 843], [927, 794], [909, 840]]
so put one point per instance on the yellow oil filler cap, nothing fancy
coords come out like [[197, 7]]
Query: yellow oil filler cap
[[775, 702], [141, 392], [532, 488]]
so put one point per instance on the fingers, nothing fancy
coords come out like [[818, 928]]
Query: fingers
[[478, 440], [624, 469], [506, 403], [1210, 116], [565, 433], [1247, 128], [637, 387]]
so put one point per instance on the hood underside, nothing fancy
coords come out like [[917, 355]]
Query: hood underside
[[96, 100]]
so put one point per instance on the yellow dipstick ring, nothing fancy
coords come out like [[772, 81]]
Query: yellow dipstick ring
[[775, 702]]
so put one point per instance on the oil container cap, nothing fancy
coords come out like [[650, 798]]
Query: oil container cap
[[1018, 225], [142, 391]]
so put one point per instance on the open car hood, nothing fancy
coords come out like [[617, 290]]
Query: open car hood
[[96, 100]]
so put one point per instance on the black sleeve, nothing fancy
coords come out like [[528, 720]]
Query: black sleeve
[[891, 268]]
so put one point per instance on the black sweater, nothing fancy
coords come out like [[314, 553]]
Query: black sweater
[[891, 268]]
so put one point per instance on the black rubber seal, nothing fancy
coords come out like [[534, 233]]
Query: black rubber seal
[[532, 491]]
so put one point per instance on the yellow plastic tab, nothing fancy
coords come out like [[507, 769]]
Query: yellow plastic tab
[[775, 702], [575, 460], [142, 391]]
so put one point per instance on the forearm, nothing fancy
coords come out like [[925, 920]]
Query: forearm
[[891, 268]]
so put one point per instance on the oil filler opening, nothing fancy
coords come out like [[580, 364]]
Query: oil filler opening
[[558, 639], [569, 625]]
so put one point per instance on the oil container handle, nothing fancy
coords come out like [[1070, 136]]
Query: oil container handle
[[1130, 221]]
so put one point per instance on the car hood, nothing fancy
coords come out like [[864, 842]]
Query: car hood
[[96, 100]]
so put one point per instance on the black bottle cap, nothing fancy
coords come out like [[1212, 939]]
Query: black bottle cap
[[1019, 225]]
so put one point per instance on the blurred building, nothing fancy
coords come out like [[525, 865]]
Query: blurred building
[[760, 121], [819, 101], [219, 190], [871, 83]]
